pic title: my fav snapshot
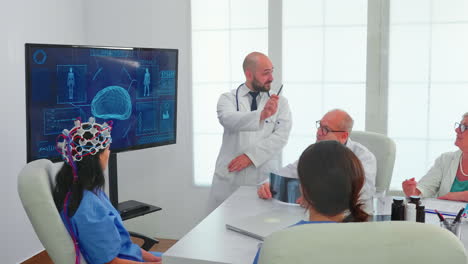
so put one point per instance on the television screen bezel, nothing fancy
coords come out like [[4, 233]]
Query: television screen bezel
[[28, 90]]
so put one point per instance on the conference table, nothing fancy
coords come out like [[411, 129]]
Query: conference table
[[210, 242]]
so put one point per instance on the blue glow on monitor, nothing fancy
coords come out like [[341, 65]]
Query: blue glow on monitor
[[134, 87]]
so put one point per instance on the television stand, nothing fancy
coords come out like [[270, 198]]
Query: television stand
[[129, 209]]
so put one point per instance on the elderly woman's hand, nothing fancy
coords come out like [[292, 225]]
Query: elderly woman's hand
[[409, 187]]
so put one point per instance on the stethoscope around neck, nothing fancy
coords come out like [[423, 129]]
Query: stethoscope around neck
[[237, 96]]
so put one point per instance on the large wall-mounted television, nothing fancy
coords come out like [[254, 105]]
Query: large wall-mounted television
[[136, 88]]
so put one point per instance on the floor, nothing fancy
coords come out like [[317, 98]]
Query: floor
[[43, 257], [162, 246]]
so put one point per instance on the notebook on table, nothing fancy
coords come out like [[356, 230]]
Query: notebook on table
[[261, 225]]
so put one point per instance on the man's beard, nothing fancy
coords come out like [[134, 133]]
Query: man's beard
[[259, 87]]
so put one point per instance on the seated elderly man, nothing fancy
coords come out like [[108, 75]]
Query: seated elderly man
[[336, 125]]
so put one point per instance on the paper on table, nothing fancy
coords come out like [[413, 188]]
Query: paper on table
[[444, 207]]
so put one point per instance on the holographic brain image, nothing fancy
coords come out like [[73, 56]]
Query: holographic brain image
[[112, 102]]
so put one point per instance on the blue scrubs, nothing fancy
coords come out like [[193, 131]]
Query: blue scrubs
[[100, 230], [302, 222]]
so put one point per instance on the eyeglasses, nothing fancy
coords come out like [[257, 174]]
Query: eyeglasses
[[461, 127], [325, 130]]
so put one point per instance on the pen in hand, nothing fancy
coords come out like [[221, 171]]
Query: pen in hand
[[279, 91]]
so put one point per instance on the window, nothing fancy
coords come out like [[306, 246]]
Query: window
[[324, 64], [323, 46], [223, 33], [428, 81]]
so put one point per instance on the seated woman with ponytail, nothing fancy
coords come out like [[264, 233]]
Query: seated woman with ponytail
[[331, 178], [94, 224]]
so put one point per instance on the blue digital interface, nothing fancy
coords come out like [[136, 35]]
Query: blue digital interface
[[136, 88]]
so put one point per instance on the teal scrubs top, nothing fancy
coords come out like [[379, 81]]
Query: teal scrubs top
[[459, 186]]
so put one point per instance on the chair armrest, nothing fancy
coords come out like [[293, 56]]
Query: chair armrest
[[147, 241]]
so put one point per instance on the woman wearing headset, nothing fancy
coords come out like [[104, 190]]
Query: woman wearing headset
[[94, 224]]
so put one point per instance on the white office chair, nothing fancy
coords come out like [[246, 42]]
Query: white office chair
[[384, 150], [35, 191], [35, 183], [373, 242]]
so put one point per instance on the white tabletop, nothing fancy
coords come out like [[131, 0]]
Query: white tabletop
[[210, 241]]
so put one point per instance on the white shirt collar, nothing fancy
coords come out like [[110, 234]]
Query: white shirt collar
[[244, 91]]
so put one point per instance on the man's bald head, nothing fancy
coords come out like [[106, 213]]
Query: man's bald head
[[342, 119], [335, 125], [252, 59]]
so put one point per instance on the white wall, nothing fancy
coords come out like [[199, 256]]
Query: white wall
[[161, 176], [48, 21]]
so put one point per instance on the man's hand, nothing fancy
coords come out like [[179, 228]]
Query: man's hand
[[455, 196], [239, 163], [409, 187], [270, 108], [264, 191]]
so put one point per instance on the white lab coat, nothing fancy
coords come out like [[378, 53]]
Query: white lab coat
[[369, 164], [439, 179], [244, 133]]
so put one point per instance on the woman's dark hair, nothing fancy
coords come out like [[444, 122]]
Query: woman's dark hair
[[90, 177], [331, 179]]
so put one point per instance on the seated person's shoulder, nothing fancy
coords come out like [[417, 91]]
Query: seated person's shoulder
[[361, 150], [89, 196], [448, 156], [92, 204]]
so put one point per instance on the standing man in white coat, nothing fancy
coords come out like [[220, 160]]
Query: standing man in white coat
[[256, 128], [336, 125]]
